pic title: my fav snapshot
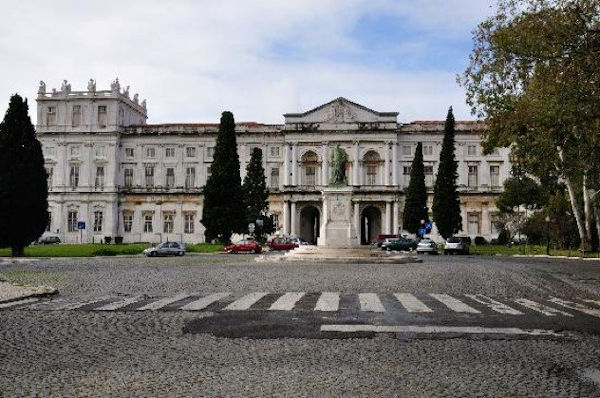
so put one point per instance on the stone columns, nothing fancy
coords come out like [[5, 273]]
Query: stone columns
[[386, 175], [293, 218], [286, 218], [388, 217], [356, 215], [395, 219], [286, 165], [395, 164], [486, 227], [324, 165], [355, 166], [294, 165]]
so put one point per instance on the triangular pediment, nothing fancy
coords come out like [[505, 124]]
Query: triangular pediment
[[340, 111]]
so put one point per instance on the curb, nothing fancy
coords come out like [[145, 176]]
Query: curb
[[45, 292]]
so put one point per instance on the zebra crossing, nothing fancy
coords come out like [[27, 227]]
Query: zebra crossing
[[325, 302]]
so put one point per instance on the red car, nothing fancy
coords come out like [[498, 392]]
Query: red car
[[246, 245], [282, 243]]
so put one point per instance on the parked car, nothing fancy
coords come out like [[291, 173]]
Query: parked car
[[48, 240], [427, 246], [244, 246], [165, 249], [298, 241], [457, 244], [282, 243], [383, 237], [402, 244]]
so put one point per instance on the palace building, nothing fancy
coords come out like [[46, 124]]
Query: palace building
[[143, 182]]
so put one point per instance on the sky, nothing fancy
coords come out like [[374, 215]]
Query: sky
[[259, 59]]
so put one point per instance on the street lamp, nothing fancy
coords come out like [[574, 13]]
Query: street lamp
[[547, 235]]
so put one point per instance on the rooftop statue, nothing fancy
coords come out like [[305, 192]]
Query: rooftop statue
[[338, 166], [42, 89], [115, 87], [92, 85]]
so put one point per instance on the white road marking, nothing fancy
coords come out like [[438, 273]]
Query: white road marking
[[45, 305], [411, 303], [576, 306], [74, 306], [597, 302], [328, 301], [202, 303], [245, 302], [286, 302], [454, 304], [436, 329], [369, 302], [493, 304], [18, 302], [119, 304], [541, 308], [156, 305]]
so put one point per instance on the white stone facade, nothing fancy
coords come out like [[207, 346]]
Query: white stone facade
[[142, 182]]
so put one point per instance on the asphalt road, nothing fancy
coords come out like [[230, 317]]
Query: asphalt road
[[221, 325]]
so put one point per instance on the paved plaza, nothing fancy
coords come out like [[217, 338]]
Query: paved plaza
[[225, 325]]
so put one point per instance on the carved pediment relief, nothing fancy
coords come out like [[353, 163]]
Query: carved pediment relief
[[340, 111]]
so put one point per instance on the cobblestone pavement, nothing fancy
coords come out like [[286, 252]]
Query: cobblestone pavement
[[125, 352]]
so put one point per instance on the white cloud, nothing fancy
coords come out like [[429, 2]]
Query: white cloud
[[194, 59]]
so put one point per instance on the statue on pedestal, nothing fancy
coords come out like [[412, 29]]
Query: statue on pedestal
[[338, 166]]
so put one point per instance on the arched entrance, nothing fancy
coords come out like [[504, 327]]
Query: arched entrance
[[370, 225], [310, 224]]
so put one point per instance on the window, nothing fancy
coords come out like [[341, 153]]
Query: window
[[49, 224], [76, 119], [51, 116], [473, 225], [495, 176], [148, 222], [406, 173], [49, 173], [428, 175], [168, 223], [74, 176], [190, 152], [406, 150], [102, 116], [210, 151], [494, 223], [98, 221], [472, 181], [495, 152], [170, 152], [471, 150], [127, 221], [190, 177], [170, 183], [310, 175], [427, 150], [275, 177], [371, 174], [75, 151], [99, 150], [99, 183], [72, 221], [150, 152], [275, 219], [149, 174], [274, 151], [208, 172], [128, 177], [188, 226], [129, 152]]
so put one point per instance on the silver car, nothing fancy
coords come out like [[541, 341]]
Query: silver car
[[165, 249], [427, 246], [456, 244]]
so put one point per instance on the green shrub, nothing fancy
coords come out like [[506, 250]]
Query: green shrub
[[118, 240], [107, 240]]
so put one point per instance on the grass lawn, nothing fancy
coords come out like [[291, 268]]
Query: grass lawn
[[91, 250], [525, 250]]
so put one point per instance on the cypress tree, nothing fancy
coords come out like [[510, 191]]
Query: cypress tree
[[223, 213], [256, 196], [23, 179], [446, 201], [415, 206]]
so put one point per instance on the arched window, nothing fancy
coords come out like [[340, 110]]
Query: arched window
[[310, 165], [371, 165]]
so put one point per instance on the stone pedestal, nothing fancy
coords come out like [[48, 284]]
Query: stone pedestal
[[337, 228]]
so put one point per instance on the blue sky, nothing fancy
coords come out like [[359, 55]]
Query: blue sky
[[257, 58]]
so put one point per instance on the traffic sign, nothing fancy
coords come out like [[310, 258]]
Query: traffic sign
[[80, 224]]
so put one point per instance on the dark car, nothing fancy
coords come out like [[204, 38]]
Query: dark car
[[166, 249], [48, 240], [383, 237], [244, 246], [282, 243], [402, 244]]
